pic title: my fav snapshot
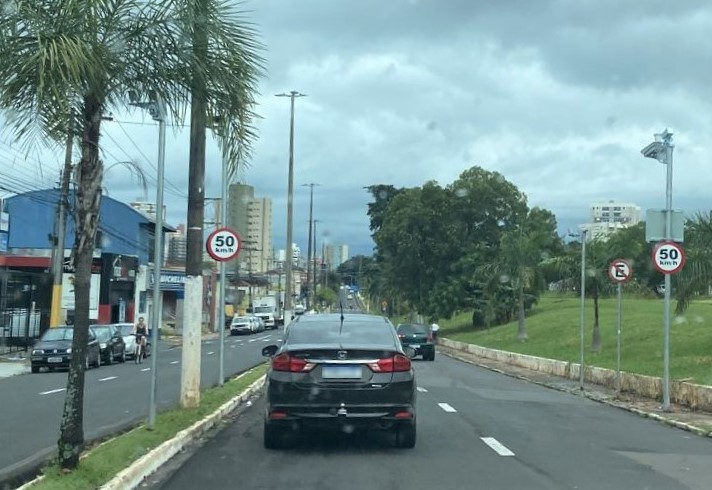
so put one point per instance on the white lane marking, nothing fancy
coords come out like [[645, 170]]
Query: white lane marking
[[421, 389], [234, 346], [253, 340], [447, 407], [175, 362], [109, 378], [145, 369], [208, 341], [266, 340], [52, 391], [497, 446], [211, 353], [266, 337]]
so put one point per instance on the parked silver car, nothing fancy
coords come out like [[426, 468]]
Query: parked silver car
[[130, 339], [245, 324]]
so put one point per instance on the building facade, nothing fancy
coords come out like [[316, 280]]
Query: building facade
[[605, 217], [335, 255], [251, 218]]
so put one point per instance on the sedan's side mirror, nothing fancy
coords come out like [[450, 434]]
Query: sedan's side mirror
[[409, 351], [270, 350]]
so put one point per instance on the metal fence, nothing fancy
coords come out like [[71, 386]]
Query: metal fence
[[19, 328]]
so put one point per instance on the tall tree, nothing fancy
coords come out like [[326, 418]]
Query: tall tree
[[80, 58]]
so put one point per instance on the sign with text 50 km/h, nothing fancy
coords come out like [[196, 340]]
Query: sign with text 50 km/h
[[668, 257], [223, 244]]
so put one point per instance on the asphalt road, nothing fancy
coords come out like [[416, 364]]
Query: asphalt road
[[476, 429], [115, 396]]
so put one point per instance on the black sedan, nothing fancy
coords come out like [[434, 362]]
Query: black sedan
[[54, 350], [419, 338], [339, 372], [111, 343]]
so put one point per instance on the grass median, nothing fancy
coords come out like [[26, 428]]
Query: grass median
[[106, 460], [553, 328]]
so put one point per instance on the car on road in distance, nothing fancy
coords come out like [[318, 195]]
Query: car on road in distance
[[244, 324], [126, 330], [344, 372], [419, 338], [111, 343], [299, 309], [54, 350]]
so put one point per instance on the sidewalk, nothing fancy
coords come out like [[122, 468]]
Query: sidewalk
[[12, 364], [679, 416]]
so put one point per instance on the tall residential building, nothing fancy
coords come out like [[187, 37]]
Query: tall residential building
[[176, 246], [251, 218], [605, 217], [335, 255]]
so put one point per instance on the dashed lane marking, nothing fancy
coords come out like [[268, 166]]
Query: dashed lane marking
[[108, 378], [52, 391], [447, 407], [497, 446], [175, 362], [211, 353], [421, 389], [145, 369]]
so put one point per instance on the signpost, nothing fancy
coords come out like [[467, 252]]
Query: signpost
[[223, 244], [620, 271]]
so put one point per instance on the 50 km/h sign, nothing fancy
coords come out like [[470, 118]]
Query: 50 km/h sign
[[668, 257], [620, 271], [223, 244]]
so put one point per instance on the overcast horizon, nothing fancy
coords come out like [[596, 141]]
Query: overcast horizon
[[558, 96]]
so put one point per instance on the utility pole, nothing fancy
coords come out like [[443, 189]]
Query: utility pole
[[220, 319], [290, 204], [193, 302], [314, 274], [583, 303], [58, 255], [310, 257]]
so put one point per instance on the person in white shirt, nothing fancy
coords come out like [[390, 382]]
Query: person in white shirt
[[434, 328]]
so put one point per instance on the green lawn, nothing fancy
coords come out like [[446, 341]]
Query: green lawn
[[553, 328], [105, 461]]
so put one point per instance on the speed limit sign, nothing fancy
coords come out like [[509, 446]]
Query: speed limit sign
[[668, 257], [223, 244]]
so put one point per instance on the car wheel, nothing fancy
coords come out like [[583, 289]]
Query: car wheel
[[97, 362], [431, 357], [405, 435], [122, 359], [35, 369], [110, 358], [86, 363], [273, 438]]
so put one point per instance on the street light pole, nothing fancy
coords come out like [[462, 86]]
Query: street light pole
[[314, 274], [309, 249], [290, 204], [157, 109], [661, 150], [583, 303], [220, 321]]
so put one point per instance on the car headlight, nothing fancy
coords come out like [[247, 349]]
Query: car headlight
[[102, 345], [69, 351], [36, 352]]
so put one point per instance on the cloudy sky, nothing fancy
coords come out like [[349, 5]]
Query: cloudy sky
[[559, 96]]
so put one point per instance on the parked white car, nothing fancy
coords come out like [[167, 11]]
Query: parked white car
[[130, 339]]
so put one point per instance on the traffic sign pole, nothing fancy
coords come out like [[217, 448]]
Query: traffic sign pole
[[618, 347]]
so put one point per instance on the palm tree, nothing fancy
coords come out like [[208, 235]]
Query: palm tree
[[517, 263], [71, 60], [696, 277]]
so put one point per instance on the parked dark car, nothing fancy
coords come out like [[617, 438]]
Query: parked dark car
[[419, 338], [111, 343], [54, 350], [340, 373]]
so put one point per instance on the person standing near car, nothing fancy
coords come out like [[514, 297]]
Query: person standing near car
[[140, 330], [434, 329]]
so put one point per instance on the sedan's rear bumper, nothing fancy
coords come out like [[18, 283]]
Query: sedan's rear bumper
[[43, 361]]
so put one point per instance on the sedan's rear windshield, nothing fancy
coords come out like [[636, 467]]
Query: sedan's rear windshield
[[126, 330], [327, 332], [412, 329], [59, 334], [241, 319], [102, 333]]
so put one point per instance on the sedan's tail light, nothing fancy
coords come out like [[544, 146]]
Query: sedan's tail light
[[285, 362], [395, 364]]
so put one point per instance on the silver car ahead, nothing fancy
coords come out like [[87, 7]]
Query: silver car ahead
[[244, 324], [130, 339]]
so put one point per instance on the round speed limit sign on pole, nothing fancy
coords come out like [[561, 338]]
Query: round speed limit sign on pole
[[223, 244], [668, 257]]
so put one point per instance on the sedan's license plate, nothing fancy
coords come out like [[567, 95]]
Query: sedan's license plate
[[54, 359], [341, 372]]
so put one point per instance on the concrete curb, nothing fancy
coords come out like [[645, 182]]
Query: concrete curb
[[132, 476], [448, 351]]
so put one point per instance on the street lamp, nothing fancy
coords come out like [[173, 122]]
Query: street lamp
[[157, 109], [290, 204], [309, 250], [582, 319], [661, 150]]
